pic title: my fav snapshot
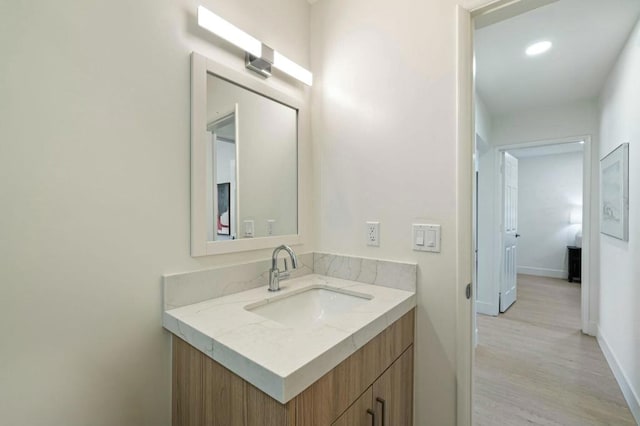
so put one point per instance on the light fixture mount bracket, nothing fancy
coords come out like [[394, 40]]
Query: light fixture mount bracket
[[259, 57], [261, 65]]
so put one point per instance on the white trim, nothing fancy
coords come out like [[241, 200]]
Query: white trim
[[588, 236], [497, 225], [630, 395], [198, 150], [506, 9], [543, 272], [236, 195], [485, 308], [200, 67], [543, 142], [465, 141]]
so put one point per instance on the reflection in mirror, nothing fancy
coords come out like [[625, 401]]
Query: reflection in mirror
[[221, 186], [252, 178]]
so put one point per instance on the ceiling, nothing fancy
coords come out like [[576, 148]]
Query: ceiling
[[587, 37], [537, 151]]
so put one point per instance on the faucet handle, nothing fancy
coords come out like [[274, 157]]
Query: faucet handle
[[285, 273]]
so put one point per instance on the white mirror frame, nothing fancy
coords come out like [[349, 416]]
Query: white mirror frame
[[200, 246]]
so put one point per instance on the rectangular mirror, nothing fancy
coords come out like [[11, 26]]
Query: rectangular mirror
[[244, 162]]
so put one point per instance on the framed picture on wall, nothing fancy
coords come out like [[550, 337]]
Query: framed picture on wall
[[614, 185], [224, 208]]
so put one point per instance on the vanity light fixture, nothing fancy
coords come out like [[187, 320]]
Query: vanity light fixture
[[258, 56], [538, 48]]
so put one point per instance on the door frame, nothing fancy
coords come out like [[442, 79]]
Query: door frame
[[465, 142], [587, 316], [466, 13]]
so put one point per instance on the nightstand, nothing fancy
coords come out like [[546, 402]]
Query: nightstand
[[575, 263]]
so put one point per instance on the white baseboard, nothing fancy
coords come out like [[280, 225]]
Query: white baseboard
[[592, 329], [543, 272], [486, 308], [629, 393]]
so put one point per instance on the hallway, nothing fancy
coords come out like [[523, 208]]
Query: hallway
[[534, 366]]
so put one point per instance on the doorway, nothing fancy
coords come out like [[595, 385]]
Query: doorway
[[554, 213], [539, 112]]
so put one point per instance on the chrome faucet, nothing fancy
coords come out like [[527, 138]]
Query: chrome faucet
[[274, 273]]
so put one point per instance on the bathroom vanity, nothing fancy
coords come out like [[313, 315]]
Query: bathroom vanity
[[323, 351], [375, 381], [333, 345]]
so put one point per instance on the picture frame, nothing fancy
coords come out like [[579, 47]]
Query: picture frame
[[224, 209], [614, 186]]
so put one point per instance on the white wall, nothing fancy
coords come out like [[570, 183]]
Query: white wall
[[94, 188], [226, 172], [408, 97], [486, 297], [620, 268], [549, 190], [483, 119], [552, 122], [520, 127]]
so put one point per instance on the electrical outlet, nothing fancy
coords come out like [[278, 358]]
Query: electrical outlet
[[373, 234], [270, 225]]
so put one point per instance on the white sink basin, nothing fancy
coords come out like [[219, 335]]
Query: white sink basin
[[309, 308]]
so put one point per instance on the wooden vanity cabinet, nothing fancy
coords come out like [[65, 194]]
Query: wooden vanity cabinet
[[393, 392], [352, 394], [388, 401], [360, 413]]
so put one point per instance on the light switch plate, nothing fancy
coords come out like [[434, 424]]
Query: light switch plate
[[249, 226], [270, 225], [426, 237]]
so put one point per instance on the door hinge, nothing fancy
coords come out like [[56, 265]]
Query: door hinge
[[468, 291]]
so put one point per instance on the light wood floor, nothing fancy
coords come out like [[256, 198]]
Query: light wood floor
[[534, 366]]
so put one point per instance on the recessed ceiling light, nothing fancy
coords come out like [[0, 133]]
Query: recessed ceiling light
[[538, 48]]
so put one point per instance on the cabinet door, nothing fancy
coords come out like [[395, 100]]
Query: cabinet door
[[393, 393], [324, 401], [359, 414]]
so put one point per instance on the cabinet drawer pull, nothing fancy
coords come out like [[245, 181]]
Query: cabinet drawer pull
[[384, 404], [373, 416]]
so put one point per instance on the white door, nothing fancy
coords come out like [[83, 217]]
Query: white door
[[509, 229]]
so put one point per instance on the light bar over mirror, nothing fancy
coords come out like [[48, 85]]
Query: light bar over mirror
[[259, 57]]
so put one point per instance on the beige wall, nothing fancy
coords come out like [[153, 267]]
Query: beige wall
[[95, 183], [384, 133], [94, 188]]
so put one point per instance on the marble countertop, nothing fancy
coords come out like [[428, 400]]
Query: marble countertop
[[282, 360]]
